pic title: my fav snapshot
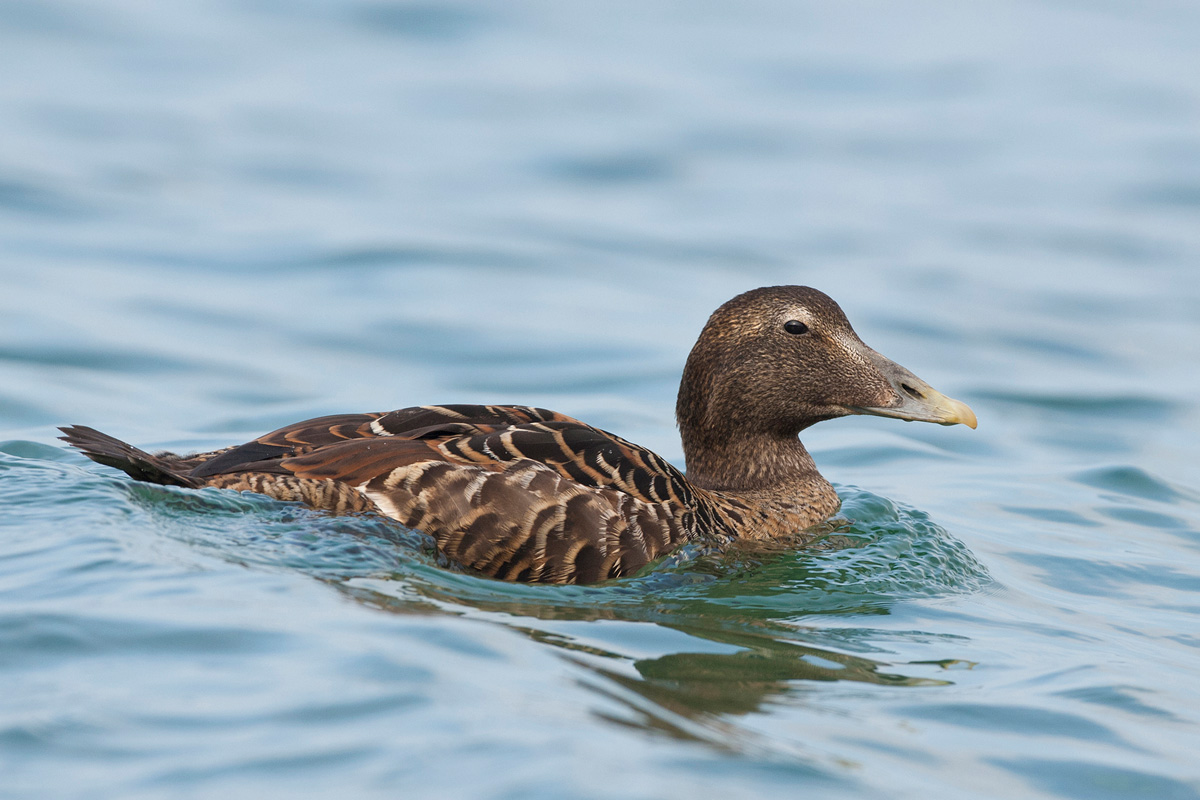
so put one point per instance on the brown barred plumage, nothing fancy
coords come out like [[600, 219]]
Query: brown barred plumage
[[523, 493]]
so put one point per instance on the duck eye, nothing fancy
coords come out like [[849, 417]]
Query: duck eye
[[795, 326]]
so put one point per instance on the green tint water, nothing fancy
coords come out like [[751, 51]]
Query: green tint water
[[219, 219]]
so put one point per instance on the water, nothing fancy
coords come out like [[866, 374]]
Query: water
[[221, 217]]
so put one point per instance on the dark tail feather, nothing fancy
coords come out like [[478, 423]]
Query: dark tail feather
[[112, 452]]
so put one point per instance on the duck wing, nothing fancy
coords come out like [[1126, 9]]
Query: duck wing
[[584, 455], [312, 434], [514, 492]]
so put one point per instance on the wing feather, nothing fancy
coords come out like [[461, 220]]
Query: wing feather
[[516, 492]]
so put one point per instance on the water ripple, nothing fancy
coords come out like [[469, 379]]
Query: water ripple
[[1133, 481]]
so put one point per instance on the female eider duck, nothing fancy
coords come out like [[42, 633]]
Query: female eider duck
[[526, 494]]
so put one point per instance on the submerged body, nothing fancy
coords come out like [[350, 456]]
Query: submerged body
[[527, 494]]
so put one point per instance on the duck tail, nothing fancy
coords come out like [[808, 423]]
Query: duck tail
[[112, 452]]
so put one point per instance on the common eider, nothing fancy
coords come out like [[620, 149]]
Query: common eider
[[526, 494]]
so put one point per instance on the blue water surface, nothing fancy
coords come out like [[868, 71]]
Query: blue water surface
[[222, 216]]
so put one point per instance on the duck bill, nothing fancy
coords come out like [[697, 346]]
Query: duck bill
[[917, 401]]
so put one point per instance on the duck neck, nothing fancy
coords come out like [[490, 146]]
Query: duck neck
[[766, 462]]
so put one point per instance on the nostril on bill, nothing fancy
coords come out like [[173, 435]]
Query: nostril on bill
[[911, 392]]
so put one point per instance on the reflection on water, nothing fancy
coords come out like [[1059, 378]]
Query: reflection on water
[[705, 687], [693, 696]]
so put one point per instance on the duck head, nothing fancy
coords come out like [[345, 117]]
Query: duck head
[[775, 360]]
